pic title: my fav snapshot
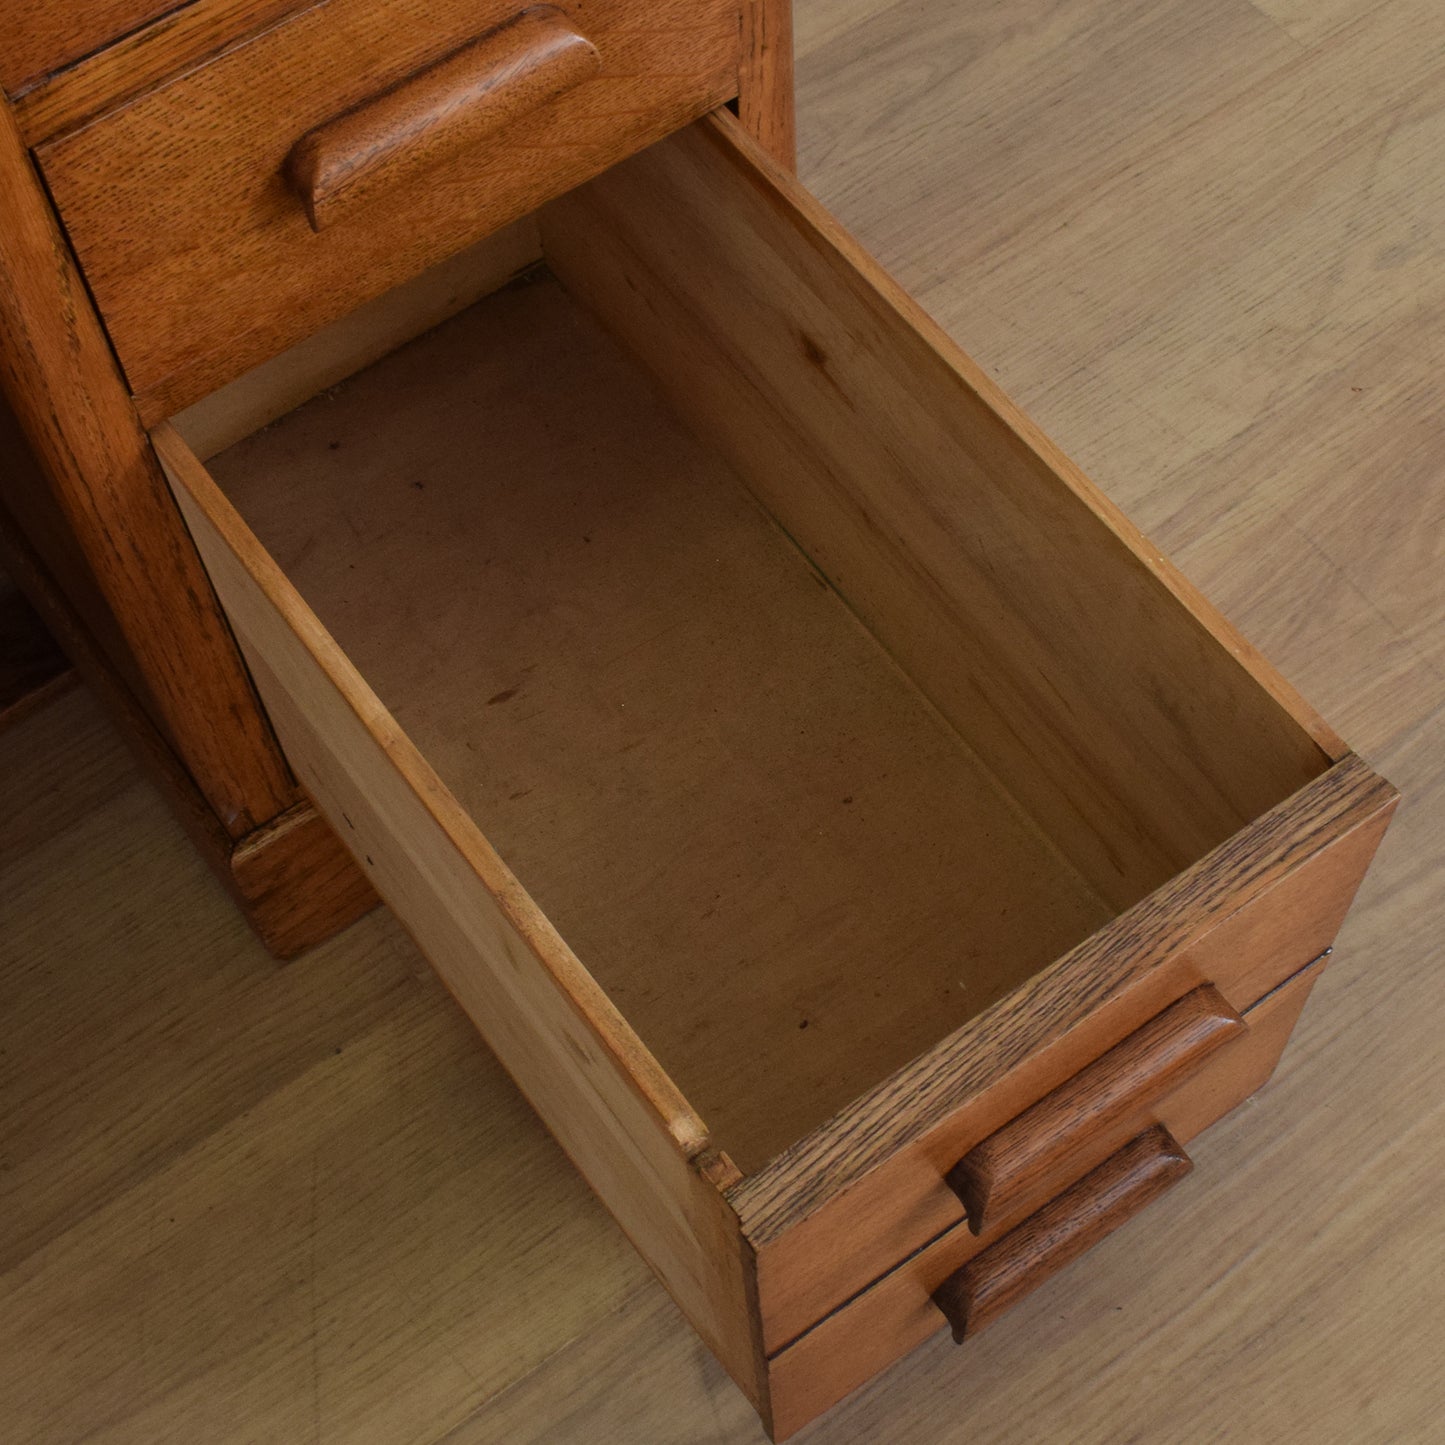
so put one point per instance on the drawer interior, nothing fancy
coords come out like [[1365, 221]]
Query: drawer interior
[[785, 868], [717, 754]]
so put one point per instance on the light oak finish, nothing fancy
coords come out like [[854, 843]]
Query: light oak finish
[[181, 671], [265, 866], [176, 41], [617, 1114], [765, 83], [45, 35], [194, 245], [1109, 1196], [182, 38], [82, 480], [345, 1286], [456, 104], [570, 654], [1051, 1145], [90, 531], [843, 1205], [977, 554], [347, 346], [879, 1325]]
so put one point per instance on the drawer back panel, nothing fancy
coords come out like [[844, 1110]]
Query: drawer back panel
[[201, 254]]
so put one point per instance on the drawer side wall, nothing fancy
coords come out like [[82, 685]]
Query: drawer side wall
[[1084, 671], [618, 1116]]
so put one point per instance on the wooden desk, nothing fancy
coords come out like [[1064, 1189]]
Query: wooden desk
[[322, 1264]]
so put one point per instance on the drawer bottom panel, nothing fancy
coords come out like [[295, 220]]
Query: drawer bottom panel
[[897, 1313]]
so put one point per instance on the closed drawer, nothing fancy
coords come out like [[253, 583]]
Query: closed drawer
[[725, 713], [436, 122]]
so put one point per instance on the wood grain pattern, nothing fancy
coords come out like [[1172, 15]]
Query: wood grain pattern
[[1107, 1197], [459, 102], [299, 886], [873, 1176], [193, 244], [343, 348], [117, 531], [881, 1324], [1051, 1144], [139, 1101], [617, 1114], [966, 542], [808, 880], [765, 79], [319, 1117], [1056, 1003], [44, 35], [183, 37], [316, 1265]]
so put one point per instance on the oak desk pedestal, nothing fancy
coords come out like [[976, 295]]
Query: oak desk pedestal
[[872, 860]]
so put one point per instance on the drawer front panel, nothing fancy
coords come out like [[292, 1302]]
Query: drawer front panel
[[897, 1206], [898, 1313], [200, 250]]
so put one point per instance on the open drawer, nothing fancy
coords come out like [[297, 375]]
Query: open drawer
[[800, 774]]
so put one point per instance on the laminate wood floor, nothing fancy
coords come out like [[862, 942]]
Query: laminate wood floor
[[1205, 246]]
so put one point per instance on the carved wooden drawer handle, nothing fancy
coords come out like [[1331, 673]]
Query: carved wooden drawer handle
[[973, 1297], [431, 115], [1049, 1146]]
